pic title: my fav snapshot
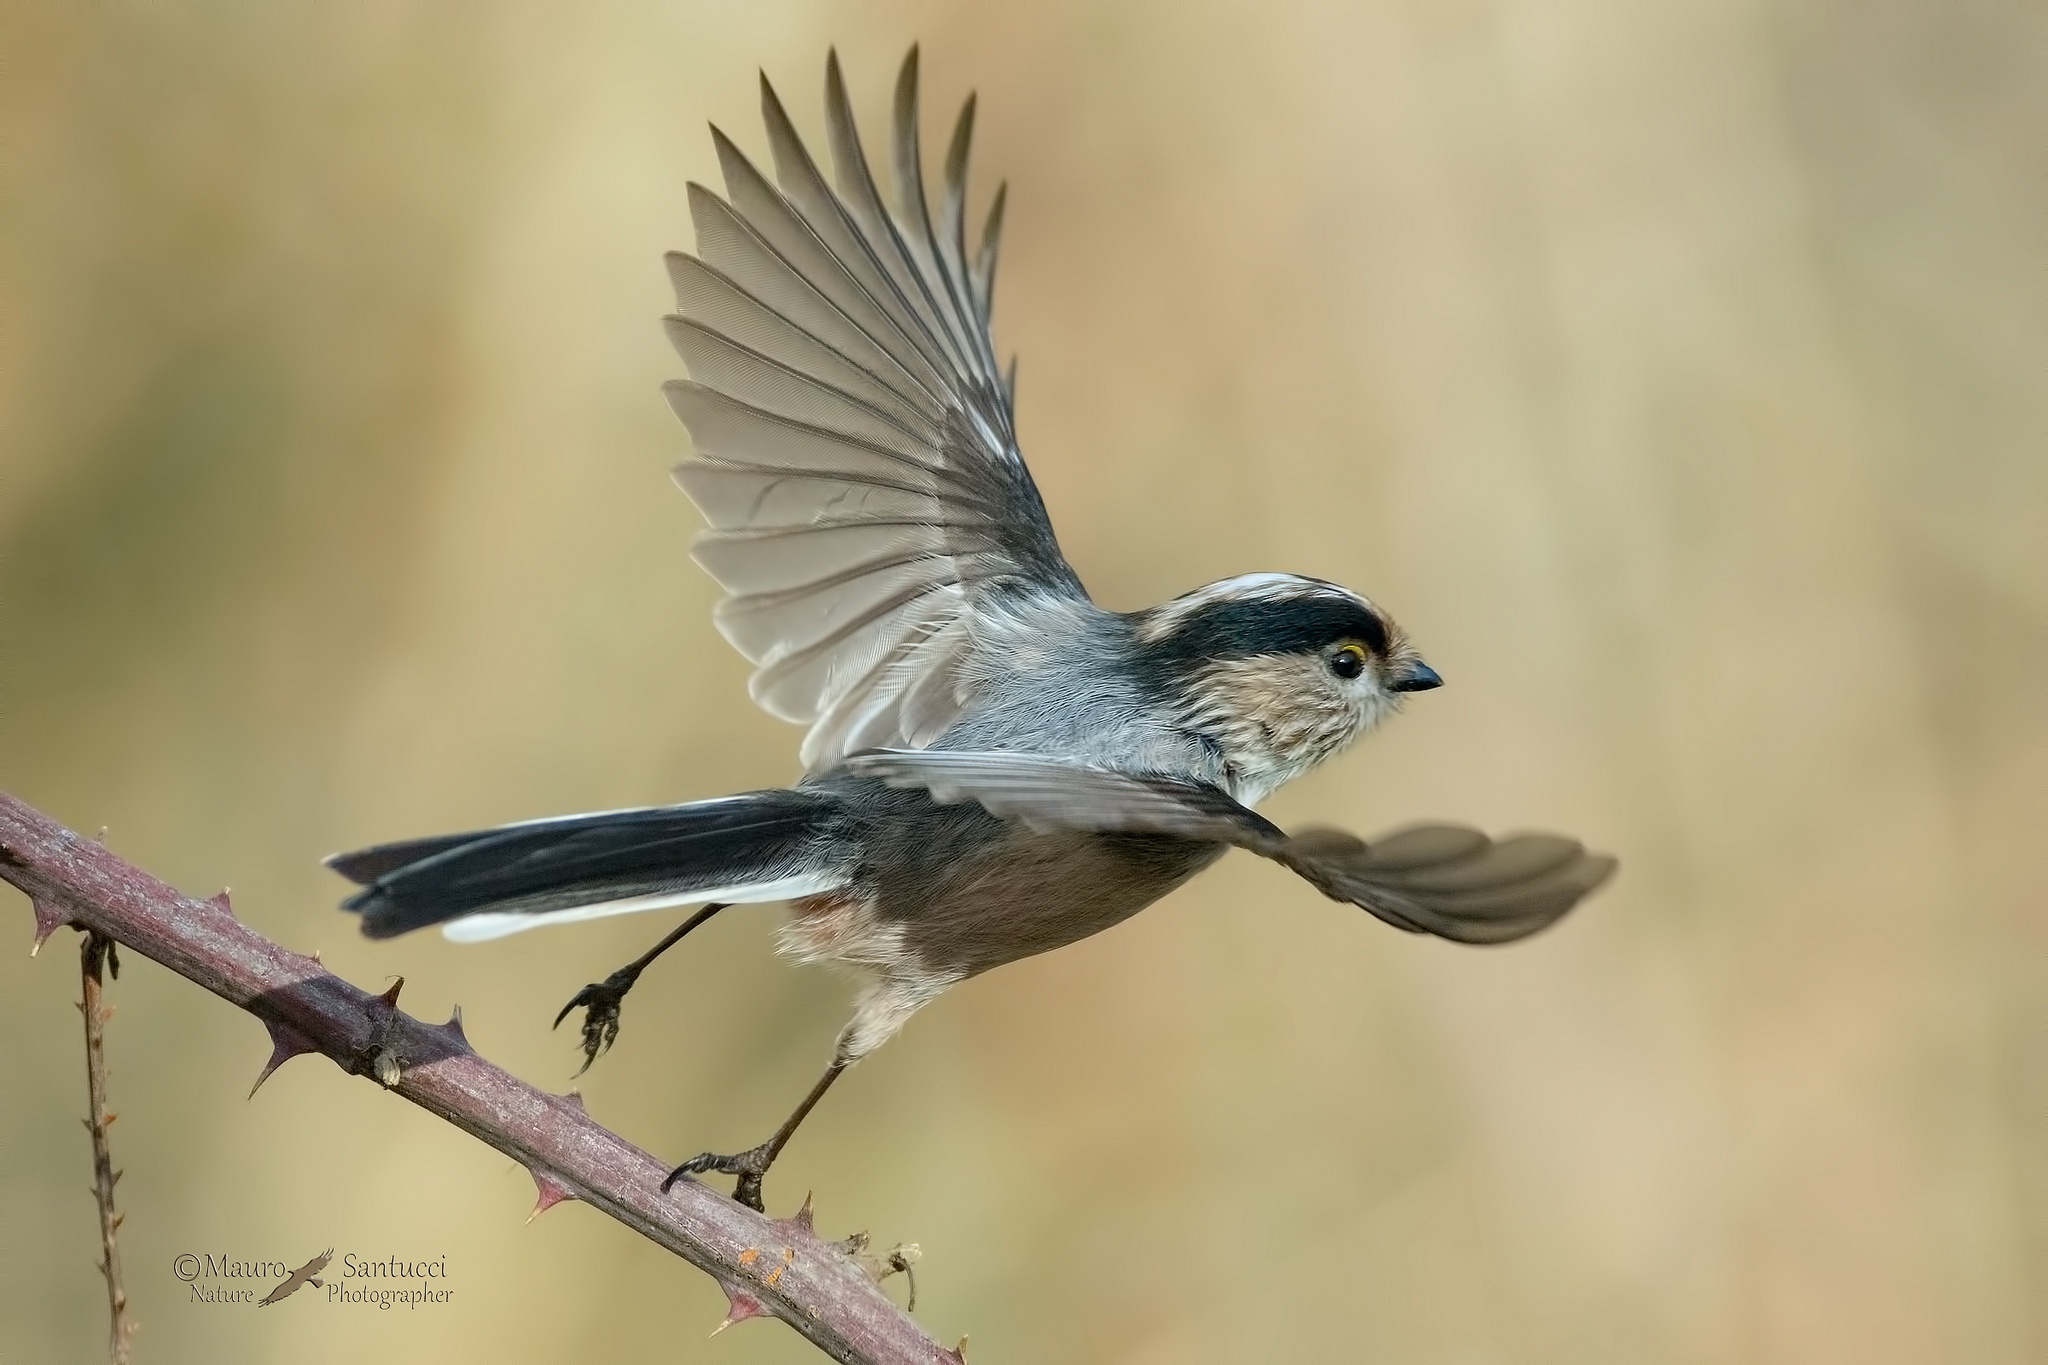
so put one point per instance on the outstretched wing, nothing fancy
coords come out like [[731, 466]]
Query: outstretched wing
[[1446, 880], [856, 456], [297, 1279]]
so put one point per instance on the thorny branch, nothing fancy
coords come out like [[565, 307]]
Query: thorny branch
[[766, 1266], [94, 952]]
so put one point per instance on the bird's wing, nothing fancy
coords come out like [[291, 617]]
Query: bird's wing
[[1446, 880], [297, 1278], [1057, 793], [856, 455]]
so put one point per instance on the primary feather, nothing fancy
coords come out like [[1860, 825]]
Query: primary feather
[[856, 452]]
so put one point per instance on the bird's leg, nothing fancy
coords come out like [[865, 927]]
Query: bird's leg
[[753, 1163], [603, 998]]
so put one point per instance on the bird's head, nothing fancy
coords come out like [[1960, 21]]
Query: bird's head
[[1279, 672]]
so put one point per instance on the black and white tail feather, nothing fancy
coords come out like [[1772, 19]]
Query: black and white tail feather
[[758, 846]]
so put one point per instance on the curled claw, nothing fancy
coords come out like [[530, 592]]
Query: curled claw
[[753, 1163], [750, 1166], [601, 1000]]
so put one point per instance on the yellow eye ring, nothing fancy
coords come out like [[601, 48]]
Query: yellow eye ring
[[1349, 661]]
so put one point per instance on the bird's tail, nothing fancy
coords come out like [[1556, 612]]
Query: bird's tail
[[757, 846]]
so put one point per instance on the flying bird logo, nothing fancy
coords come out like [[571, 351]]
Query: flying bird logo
[[299, 1278]]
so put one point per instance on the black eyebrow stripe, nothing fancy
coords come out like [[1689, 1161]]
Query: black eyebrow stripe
[[1249, 628], [1374, 632]]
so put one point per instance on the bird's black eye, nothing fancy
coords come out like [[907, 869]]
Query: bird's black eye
[[1348, 662]]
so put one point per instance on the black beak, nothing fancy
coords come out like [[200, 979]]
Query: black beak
[[1420, 677]]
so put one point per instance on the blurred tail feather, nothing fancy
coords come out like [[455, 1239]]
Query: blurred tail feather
[[756, 846]]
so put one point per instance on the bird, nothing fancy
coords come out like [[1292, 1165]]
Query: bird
[[299, 1279], [995, 766]]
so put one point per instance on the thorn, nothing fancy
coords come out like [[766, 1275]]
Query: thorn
[[453, 1029], [50, 917], [800, 1224], [549, 1192], [574, 1099], [286, 1043], [380, 1061], [959, 1352], [740, 1305], [101, 837], [219, 901]]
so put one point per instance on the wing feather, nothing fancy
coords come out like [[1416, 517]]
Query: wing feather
[[810, 194], [945, 293], [798, 248], [863, 197], [985, 273], [758, 379], [710, 300], [737, 248], [751, 497], [742, 433], [856, 458], [1446, 880]]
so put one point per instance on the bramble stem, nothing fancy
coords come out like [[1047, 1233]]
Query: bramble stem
[[810, 1284]]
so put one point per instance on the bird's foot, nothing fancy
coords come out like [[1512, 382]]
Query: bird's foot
[[601, 1000], [749, 1166]]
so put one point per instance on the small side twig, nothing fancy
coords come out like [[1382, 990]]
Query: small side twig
[[897, 1260], [94, 952]]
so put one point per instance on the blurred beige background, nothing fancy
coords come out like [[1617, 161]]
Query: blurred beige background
[[1674, 372]]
